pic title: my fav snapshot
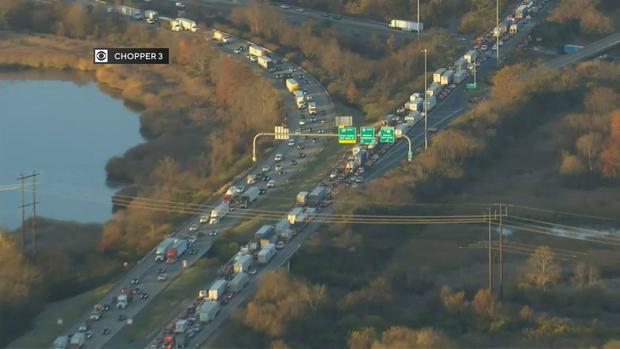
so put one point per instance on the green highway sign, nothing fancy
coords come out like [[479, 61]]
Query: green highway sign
[[386, 134], [367, 135], [470, 85], [347, 135]]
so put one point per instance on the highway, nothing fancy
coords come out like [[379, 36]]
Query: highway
[[146, 269], [594, 49], [297, 15]]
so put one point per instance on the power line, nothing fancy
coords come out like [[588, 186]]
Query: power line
[[565, 213]]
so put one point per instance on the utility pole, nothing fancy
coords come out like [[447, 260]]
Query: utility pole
[[22, 207], [34, 212], [490, 254], [501, 253], [418, 20], [425, 103]]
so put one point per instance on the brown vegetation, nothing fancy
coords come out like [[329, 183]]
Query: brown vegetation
[[586, 12]]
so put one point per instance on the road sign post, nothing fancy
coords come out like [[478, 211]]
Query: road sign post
[[347, 135], [367, 135], [470, 85], [386, 134]]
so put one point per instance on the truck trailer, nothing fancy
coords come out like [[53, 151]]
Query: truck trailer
[[446, 78], [409, 26], [460, 76], [219, 36], [301, 198], [264, 62], [248, 197], [238, 282], [178, 248], [151, 16], [162, 249], [187, 24], [217, 289], [300, 99], [77, 340], [242, 264], [219, 212], [437, 75], [292, 85], [266, 253], [257, 51], [471, 56], [284, 230], [208, 310]]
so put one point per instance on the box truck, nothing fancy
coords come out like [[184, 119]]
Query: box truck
[[216, 291], [187, 24], [299, 99], [257, 51], [219, 212], [264, 62], [219, 36], [266, 253], [238, 282], [208, 310], [446, 77], [438, 73], [292, 85], [242, 264]]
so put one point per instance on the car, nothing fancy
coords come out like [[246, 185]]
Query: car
[[278, 157], [304, 91], [106, 331], [162, 277], [315, 140], [251, 271], [291, 142], [279, 167], [484, 47], [161, 270], [282, 173], [301, 155], [321, 131], [306, 82], [192, 240], [300, 76], [196, 328], [192, 252], [337, 17], [228, 295], [240, 189], [237, 50], [252, 58], [309, 98], [89, 334], [122, 317], [333, 175], [213, 233], [262, 191], [190, 334], [284, 7], [280, 244], [83, 328], [144, 296], [313, 119], [266, 179], [135, 281], [298, 131], [107, 307], [277, 76], [324, 14], [300, 146], [302, 122], [193, 227], [293, 162], [299, 9], [359, 179], [266, 168], [271, 184]]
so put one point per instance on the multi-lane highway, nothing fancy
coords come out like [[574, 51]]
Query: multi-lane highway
[[296, 14], [147, 269]]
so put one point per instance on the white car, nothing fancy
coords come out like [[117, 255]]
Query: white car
[[278, 167], [265, 168], [271, 184], [240, 189], [291, 142], [162, 277], [193, 227], [278, 157], [359, 179], [285, 7]]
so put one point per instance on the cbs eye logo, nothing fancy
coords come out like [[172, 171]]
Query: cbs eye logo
[[101, 56]]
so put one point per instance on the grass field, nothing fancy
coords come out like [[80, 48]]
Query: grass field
[[45, 327]]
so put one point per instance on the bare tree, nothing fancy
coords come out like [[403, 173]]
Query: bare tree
[[542, 269]]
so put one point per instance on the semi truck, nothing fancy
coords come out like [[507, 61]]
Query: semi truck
[[409, 26], [238, 282], [284, 230], [434, 89], [317, 196], [177, 249], [301, 198], [266, 253], [151, 16], [257, 51], [438, 73], [219, 36], [175, 25], [460, 76], [126, 297], [471, 56], [292, 85], [264, 62], [181, 326], [162, 249], [242, 264], [61, 342], [521, 11], [299, 99], [208, 311], [312, 108], [217, 289], [187, 24], [248, 197], [446, 77], [265, 235], [431, 102], [77, 340], [294, 214], [219, 212]]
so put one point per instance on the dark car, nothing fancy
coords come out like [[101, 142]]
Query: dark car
[[161, 270], [106, 331], [293, 162], [121, 317], [144, 296], [262, 191], [301, 155], [266, 179]]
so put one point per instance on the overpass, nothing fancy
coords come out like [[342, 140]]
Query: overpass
[[592, 50]]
